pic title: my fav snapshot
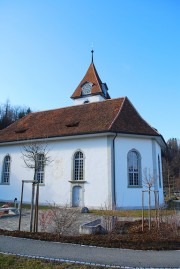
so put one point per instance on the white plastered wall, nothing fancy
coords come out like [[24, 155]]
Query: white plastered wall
[[149, 149], [98, 186], [90, 99], [58, 173]]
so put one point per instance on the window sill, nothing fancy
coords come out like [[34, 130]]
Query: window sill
[[6, 184], [40, 184], [134, 187], [77, 181]]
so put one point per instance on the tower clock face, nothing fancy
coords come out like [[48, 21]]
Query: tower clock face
[[86, 88]]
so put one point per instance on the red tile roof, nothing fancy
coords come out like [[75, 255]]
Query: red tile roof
[[93, 77], [114, 115]]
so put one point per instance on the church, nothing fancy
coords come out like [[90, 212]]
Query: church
[[100, 149]]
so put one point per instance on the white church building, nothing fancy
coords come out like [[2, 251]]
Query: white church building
[[99, 147]]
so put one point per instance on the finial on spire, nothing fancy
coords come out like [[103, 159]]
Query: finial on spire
[[92, 51]]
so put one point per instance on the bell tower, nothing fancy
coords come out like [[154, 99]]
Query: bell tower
[[91, 88]]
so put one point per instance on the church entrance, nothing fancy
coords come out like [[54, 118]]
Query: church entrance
[[77, 196]]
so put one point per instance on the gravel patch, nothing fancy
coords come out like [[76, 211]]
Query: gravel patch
[[11, 223]]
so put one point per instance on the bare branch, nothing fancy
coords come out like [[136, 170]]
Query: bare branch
[[30, 153], [60, 219], [148, 180]]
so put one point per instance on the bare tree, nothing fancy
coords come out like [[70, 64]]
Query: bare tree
[[35, 156], [60, 218], [148, 182]]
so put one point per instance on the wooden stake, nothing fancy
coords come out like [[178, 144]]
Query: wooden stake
[[20, 210]]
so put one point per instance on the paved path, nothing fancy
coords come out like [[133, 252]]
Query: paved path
[[88, 254]]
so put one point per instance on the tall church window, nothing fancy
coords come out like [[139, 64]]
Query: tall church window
[[78, 166], [40, 168], [134, 169], [159, 171], [6, 170]]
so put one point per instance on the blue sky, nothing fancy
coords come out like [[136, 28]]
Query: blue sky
[[45, 51]]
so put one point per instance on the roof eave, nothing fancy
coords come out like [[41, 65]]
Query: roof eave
[[60, 137], [159, 138]]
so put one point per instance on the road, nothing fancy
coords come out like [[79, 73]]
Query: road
[[89, 254]]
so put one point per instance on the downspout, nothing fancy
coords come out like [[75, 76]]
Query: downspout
[[114, 172]]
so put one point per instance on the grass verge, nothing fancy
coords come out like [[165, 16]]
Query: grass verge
[[12, 262], [119, 213], [132, 213]]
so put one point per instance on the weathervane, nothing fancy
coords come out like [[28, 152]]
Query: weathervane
[[92, 51]]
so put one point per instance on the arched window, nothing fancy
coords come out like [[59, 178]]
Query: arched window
[[159, 171], [134, 169], [6, 170], [78, 166], [40, 168]]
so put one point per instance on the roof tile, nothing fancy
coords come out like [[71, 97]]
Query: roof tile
[[114, 115]]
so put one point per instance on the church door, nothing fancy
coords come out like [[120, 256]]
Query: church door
[[77, 196]]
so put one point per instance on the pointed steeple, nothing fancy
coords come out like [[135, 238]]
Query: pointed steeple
[[91, 84]]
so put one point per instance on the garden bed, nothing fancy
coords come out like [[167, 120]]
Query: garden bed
[[126, 235]]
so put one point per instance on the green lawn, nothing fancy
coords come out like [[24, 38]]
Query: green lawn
[[14, 262], [27, 206], [118, 213], [132, 213]]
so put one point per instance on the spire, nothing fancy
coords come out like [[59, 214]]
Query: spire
[[92, 51], [91, 84]]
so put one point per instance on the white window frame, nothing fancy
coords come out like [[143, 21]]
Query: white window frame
[[40, 168], [6, 170], [78, 166], [134, 169]]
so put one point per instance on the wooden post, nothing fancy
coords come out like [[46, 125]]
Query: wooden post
[[20, 210], [158, 207], [34, 226], [32, 206], [142, 210], [156, 197], [149, 194], [155, 203], [36, 209]]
